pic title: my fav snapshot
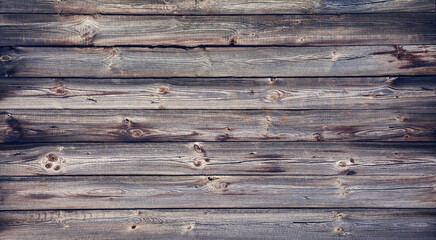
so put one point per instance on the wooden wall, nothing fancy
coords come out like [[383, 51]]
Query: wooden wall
[[194, 119]]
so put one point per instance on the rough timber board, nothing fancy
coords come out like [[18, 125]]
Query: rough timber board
[[216, 125], [219, 93], [223, 224], [111, 30], [91, 192], [128, 62], [224, 158], [210, 7]]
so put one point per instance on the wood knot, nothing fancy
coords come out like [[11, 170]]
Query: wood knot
[[334, 56], [224, 137], [318, 137], [272, 80], [113, 52], [217, 185], [268, 120], [87, 30], [5, 58], [136, 133], [275, 95], [52, 162], [163, 90], [301, 39], [341, 164], [59, 89], [338, 229], [190, 226], [197, 163], [201, 156], [401, 119], [198, 148], [133, 227], [127, 121], [52, 157], [233, 41], [341, 215]]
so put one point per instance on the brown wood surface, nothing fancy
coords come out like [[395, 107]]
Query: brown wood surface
[[210, 191], [212, 125], [219, 93], [218, 62], [196, 119], [222, 224], [351, 29], [224, 158], [211, 7]]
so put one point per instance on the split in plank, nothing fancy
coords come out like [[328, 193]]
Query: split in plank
[[219, 93], [221, 224], [110, 30], [114, 192], [414, 124], [223, 158], [218, 62], [211, 7]]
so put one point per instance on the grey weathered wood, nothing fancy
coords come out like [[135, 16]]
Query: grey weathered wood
[[244, 158], [217, 125], [90, 192], [219, 93], [110, 30], [218, 62], [221, 224], [211, 7]]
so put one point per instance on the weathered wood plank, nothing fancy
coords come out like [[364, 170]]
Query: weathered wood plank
[[218, 62], [217, 125], [225, 158], [213, 7], [110, 30], [221, 224], [90, 192], [219, 93]]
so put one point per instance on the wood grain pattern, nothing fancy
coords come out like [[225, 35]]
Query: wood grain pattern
[[225, 158], [219, 93], [110, 30], [211, 7], [90, 192], [218, 62], [221, 224], [211, 125]]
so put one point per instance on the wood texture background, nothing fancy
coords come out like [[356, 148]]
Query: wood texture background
[[183, 119]]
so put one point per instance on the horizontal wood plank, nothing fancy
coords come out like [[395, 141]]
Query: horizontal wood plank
[[218, 62], [110, 30], [213, 7], [219, 93], [90, 192], [225, 158], [221, 224], [217, 125]]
